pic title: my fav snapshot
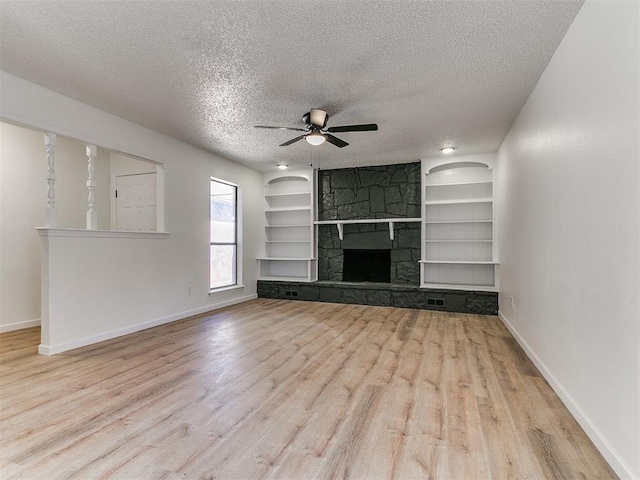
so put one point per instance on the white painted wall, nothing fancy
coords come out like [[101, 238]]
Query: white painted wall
[[104, 287], [125, 165], [569, 210], [23, 197]]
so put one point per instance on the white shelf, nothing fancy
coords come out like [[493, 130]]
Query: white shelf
[[288, 209], [283, 278], [288, 226], [459, 262], [288, 233], [287, 241], [459, 202], [433, 222], [269, 195], [286, 259], [476, 182], [458, 230], [455, 286], [459, 241]]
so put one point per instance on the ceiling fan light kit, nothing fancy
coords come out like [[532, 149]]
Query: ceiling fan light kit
[[315, 138], [316, 133]]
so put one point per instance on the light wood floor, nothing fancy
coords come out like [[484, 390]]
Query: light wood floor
[[291, 390]]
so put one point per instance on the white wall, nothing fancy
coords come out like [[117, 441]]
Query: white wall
[[23, 194], [103, 287], [124, 165], [569, 211]]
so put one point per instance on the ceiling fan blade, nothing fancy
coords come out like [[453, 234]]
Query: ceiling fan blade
[[368, 127], [335, 140], [281, 128], [294, 140], [318, 118]]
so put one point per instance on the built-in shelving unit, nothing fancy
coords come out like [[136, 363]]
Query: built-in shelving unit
[[288, 238], [458, 247]]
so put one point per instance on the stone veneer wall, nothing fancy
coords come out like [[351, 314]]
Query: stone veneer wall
[[381, 294], [387, 191]]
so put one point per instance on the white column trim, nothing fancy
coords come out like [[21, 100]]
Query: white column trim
[[92, 214], [51, 214]]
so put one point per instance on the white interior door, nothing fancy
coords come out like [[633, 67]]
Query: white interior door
[[136, 202]]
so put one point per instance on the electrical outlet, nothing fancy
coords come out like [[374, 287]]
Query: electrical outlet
[[188, 289], [513, 304]]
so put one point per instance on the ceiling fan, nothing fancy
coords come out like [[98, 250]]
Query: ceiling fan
[[317, 134]]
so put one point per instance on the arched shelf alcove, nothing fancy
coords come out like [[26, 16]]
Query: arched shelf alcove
[[288, 233], [288, 178], [452, 165], [458, 229]]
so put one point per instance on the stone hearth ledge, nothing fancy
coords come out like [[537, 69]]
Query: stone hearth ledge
[[381, 294]]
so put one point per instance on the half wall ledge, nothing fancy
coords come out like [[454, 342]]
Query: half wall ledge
[[383, 294], [79, 232]]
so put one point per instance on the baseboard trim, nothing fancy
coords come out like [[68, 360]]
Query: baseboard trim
[[83, 342], [10, 327], [622, 469]]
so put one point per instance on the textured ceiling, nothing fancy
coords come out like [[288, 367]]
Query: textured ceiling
[[429, 73]]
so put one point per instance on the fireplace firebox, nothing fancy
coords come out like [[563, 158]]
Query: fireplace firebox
[[366, 266]]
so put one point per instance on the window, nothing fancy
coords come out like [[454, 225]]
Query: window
[[223, 256]]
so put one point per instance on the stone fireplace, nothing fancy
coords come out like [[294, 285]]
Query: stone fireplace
[[389, 191]]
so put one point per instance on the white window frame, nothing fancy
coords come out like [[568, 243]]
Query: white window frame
[[238, 242]]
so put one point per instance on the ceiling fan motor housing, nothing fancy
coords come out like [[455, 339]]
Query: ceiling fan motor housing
[[315, 119]]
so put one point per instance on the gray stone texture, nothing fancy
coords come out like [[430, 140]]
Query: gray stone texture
[[392, 195], [367, 240], [376, 195], [482, 304], [332, 295], [387, 191], [407, 237], [379, 298], [413, 211], [370, 176], [396, 209], [324, 184], [411, 299], [323, 268], [400, 255], [410, 196], [382, 294], [327, 201], [354, 296], [366, 227], [309, 293], [456, 302], [399, 176], [342, 178], [351, 211], [344, 196], [407, 273]]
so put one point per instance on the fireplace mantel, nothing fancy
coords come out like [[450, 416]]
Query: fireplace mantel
[[340, 223]]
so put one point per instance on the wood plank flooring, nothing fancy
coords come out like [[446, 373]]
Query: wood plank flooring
[[290, 390]]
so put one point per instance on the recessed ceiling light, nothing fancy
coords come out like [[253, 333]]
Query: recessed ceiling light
[[447, 150], [315, 138], [283, 166]]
